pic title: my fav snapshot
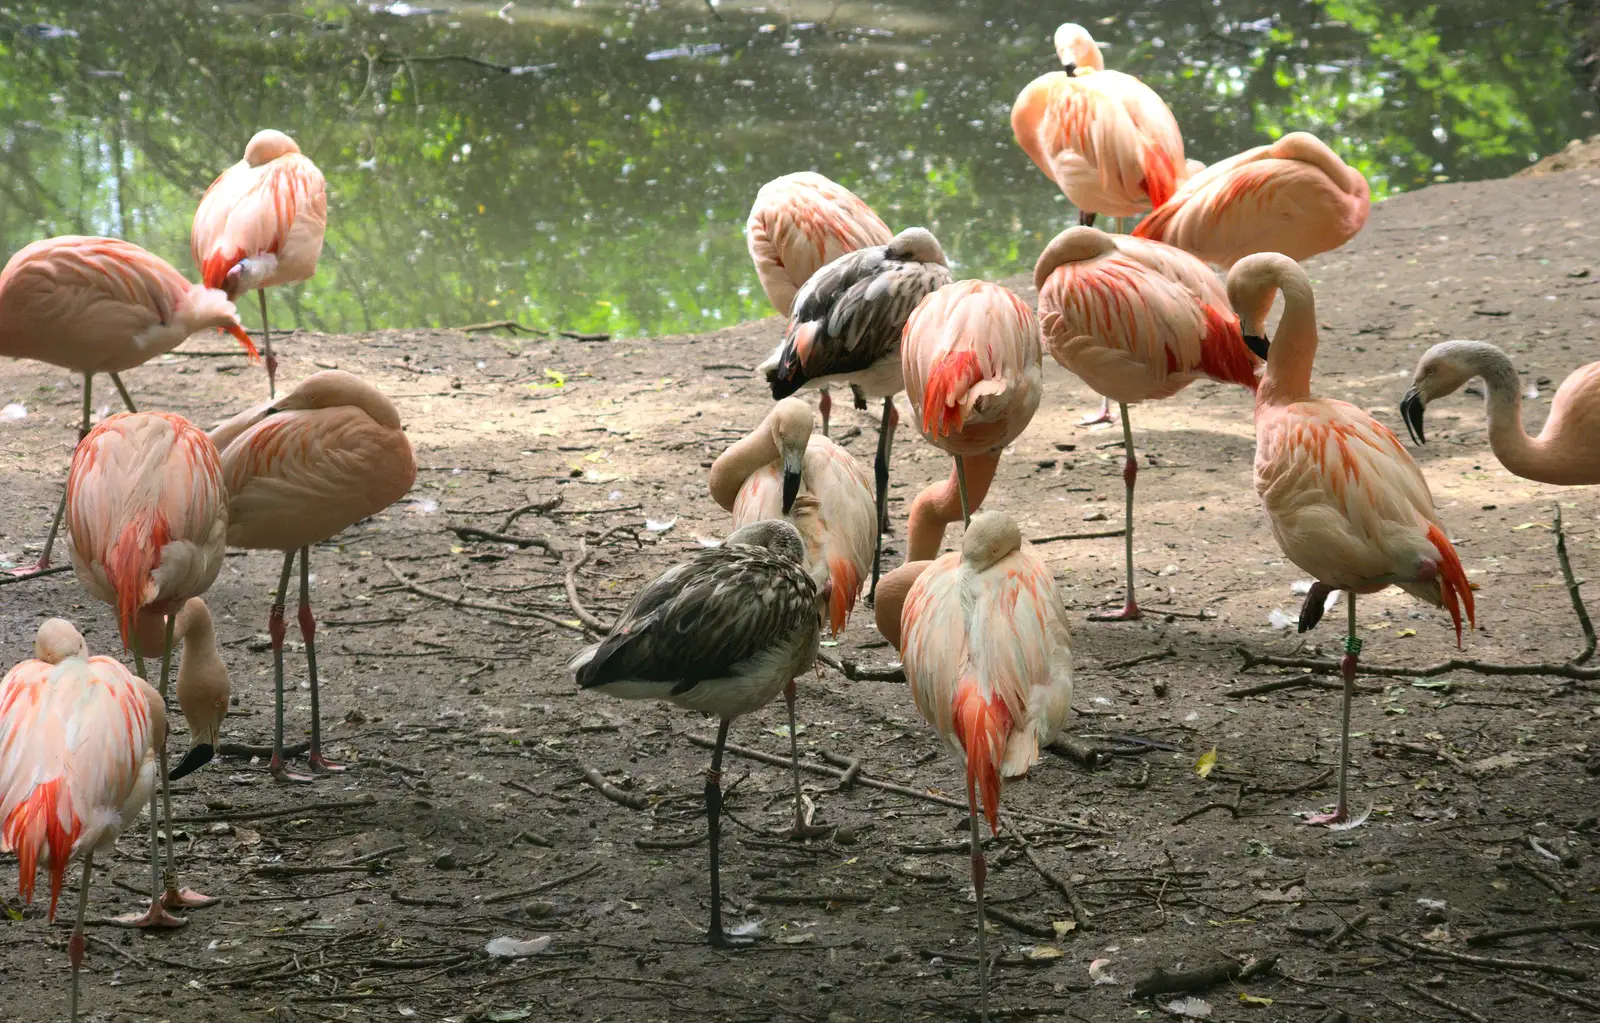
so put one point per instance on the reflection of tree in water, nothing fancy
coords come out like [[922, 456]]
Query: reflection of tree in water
[[591, 186]]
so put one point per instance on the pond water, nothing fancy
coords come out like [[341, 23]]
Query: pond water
[[589, 165]]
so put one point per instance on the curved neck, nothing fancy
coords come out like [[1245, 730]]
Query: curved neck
[[940, 504], [1503, 404], [1294, 346], [736, 464]]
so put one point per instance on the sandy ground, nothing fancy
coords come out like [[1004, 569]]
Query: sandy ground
[[471, 741]]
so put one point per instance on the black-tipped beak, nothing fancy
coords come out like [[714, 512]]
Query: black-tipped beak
[[1411, 407], [791, 488], [197, 757], [1070, 68], [1257, 344]]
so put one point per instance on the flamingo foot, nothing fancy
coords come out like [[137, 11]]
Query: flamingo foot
[[33, 569], [722, 939], [186, 898], [154, 917], [1130, 613], [322, 765], [281, 773], [1095, 418], [1337, 817]]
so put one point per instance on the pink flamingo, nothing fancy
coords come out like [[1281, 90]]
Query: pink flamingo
[[1567, 450], [147, 518], [971, 361], [984, 641], [1103, 137], [99, 305], [784, 471], [846, 327], [1294, 196], [260, 224], [1136, 320], [75, 765], [300, 470], [1345, 501], [799, 224]]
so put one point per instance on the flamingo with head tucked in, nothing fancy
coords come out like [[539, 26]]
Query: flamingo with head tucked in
[[784, 471], [147, 519], [260, 224], [1294, 196], [971, 361], [1567, 450], [799, 224], [1346, 502], [988, 657], [1136, 320], [846, 327], [76, 764], [100, 305]]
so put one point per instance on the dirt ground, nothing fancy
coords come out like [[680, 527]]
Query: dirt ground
[[471, 742]]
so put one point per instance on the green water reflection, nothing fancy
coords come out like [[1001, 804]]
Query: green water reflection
[[588, 165]]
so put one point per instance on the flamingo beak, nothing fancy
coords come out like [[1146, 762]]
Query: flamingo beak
[[1411, 407], [791, 480], [1257, 344], [1069, 67], [196, 758]]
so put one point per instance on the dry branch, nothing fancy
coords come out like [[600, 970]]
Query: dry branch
[[1527, 965], [480, 605], [611, 792], [1590, 924], [303, 810], [1460, 1010], [1189, 981], [474, 533]]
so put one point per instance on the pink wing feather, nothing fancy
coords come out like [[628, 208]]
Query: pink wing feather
[[801, 223]]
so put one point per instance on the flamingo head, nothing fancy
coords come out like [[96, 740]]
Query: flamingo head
[[1077, 49], [1074, 245], [58, 640], [1252, 285], [1444, 369], [790, 422], [267, 145], [990, 537], [915, 245], [776, 535]]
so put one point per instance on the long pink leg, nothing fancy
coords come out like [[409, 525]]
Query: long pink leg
[[173, 897], [266, 343], [156, 915], [1103, 416], [1347, 668], [1130, 472], [825, 406], [980, 871], [276, 630]]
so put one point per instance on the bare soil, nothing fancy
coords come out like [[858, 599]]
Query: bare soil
[[471, 742]]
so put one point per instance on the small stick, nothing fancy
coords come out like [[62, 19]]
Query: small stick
[[481, 605], [1086, 755], [1170, 651], [686, 842], [535, 507], [531, 838], [1541, 877], [808, 898], [380, 854], [474, 533], [512, 325], [289, 870], [611, 792], [1346, 929], [1018, 923], [1460, 1010], [536, 889], [1295, 682], [579, 335], [596, 624], [394, 765], [1588, 924], [261, 815], [411, 900], [855, 673], [1232, 808], [7, 578], [1533, 985], [1424, 750], [240, 749], [1499, 964], [1096, 535], [1055, 880], [1189, 981]]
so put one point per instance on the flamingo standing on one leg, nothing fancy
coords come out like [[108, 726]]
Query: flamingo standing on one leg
[[301, 470], [1105, 138], [1567, 450], [783, 470], [1294, 196], [75, 765], [1136, 320], [799, 224], [260, 224], [846, 327], [989, 660], [147, 519], [1345, 501], [721, 633], [971, 362], [99, 305]]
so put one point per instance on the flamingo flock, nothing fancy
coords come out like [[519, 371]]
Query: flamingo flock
[[153, 503]]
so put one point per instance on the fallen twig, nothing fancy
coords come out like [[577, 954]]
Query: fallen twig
[[1420, 749], [303, 810], [378, 855], [294, 870], [1460, 1010], [1189, 981], [523, 893], [1055, 880], [474, 533], [512, 325], [809, 898], [1588, 924], [686, 842], [1170, 651], [1096, 535], [1294, 682], [1533, 985], [855, 673], [243, 749], [1019, 923], [534, 507], [1232, 808], [1085, 754], [6, 578], [481, 605], [611, 792], [1527, 965], [1346, 929]]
